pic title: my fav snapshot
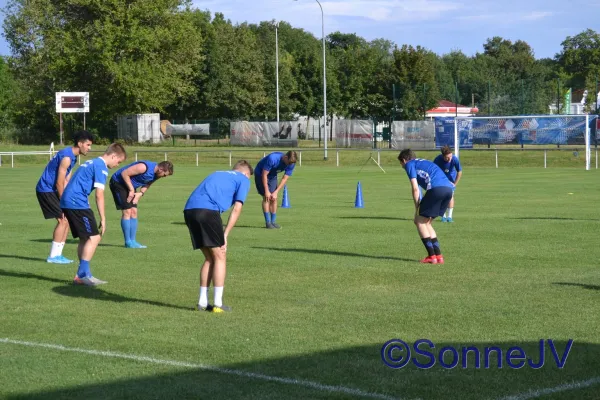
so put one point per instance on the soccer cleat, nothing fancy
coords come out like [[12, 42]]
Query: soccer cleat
[[440, 259], [65, 259], [221, 309], [429, 260], [443, 219], [270, 226], [449, 220], [208, 307], [139, 246], [58, 260], [276, 226], [88, 281]]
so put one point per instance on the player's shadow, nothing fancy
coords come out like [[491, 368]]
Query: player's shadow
[[237, 225], [377, 218], [28, 275], [73, 241], [178, 223], [22, 257], [336, 253], [582, 285], [555, 219], [96, 293]]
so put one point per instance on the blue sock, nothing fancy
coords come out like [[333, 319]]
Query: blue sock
[[133, 223], [84, 269], [273, 217], [267, 217], [126, 227]]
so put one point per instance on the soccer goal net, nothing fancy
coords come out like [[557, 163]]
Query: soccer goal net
[[526, 130]]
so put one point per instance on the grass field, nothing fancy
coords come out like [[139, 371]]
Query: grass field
[[313, 303]]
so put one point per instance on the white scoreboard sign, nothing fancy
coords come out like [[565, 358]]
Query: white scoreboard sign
[[72, 102]]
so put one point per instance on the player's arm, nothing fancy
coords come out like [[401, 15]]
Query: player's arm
[[281, 184], [134, 170], [265, 183], [415, 192], [100, 204], [61, 176], [458, 176], [233, 217]]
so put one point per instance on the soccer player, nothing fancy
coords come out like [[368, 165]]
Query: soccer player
[[451, 166], [123, 185], [265, 179], [430, 177], [76, 207], [51, 186], [202, 212]]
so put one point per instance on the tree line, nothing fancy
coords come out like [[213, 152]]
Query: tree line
[[165, 56]]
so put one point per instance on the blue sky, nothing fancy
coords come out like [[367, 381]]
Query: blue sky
[[438, 25]]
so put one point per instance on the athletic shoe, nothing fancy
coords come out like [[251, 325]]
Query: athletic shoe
[[134, 245], [58, 260], [221, 309], [440, 259], [270, 226], [139, 246], [429, 260], [449, 220], [443, 219], [207, 308], [88, 281], [276, 226], [65, 259]]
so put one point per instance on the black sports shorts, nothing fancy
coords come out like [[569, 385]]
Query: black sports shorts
[[205, 226], [435, 202], [82, 222], [50, 204], [120, 193]]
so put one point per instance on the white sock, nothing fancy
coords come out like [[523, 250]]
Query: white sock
[[203, 300], [450, 212], [218, 296], [62, 246], [55, 250]]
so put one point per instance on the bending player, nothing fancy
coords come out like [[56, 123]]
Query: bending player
[[50, 188], [438, 193], [123, 185], [265, 179], [451, 166]]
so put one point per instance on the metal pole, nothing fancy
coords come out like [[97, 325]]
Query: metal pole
[[337, 158], [61, 128], [489, 90], [277, 68], [300, 159], [84, 121], [136, 156], [545, 158], [588, 154], [196, 159], [456, 146], [496, 158], [230, 158], [165, 156], [379, 157], [12, 160], [324, 81]]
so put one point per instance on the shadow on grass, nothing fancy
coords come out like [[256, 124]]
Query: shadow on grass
[[27, 275], [74, 242], [582, 285], [554, 219], [236, 226], [95, 293], [378, 218], [344, 373], [15, 256], [336, 253]]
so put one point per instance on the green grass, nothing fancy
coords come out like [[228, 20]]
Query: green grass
[[315, 301]]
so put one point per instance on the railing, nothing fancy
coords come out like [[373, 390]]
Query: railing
[[12, 154]]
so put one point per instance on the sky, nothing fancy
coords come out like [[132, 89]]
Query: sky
[[438, 25]]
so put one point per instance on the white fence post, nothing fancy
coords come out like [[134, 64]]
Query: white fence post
[[496, 158], [196, 159], [337, 158], [136, 156], [545, 157], [165, 156], [378, 157], [230, 158], [12, 160], [300, 159]]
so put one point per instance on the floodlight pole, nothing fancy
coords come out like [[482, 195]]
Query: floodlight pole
[[277, 68]]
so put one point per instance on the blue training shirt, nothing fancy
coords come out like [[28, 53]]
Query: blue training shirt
[[273, 164], [89, 176], [137, 180], [428, 174], [219, 191], [451, 169], [47, 182]]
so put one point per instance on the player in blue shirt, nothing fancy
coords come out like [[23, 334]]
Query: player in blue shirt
[[90, 176], [123, 185], [51, 186], [202, 212], [430, 177], [451, 166], [265, 179]]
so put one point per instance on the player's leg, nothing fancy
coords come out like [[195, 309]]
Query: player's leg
[[426, 213], [450, 209], [443, 197], [205, 278], [84, 226], [265, 202], [218, 278], [50, 206], [133, 226], [273, 203], [126, 226]]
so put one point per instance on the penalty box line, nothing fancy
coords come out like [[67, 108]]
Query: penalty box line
[[244, 374]]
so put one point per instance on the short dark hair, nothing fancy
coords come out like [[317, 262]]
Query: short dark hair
[[116, 148], [406, 155], [292, 157], [446, 150], [82, 136], [243, 164], [166, 166]]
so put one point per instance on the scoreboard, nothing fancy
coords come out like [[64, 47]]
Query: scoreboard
[[72, 102]]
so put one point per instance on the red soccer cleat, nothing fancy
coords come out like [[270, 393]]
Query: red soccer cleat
[[440, 259], [430, 260]]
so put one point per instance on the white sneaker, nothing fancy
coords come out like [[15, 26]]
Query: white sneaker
[[88, 281]]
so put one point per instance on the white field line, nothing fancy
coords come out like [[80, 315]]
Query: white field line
[[532, 394]]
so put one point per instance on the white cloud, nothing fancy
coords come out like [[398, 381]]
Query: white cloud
[[534, 16]]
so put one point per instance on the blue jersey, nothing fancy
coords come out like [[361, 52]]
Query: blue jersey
[[428, 174], [137, 180], [89, 176], [273, 164], [47, 182], [219, 191], [450, 168]]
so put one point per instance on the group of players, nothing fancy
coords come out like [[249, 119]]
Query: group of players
[[64, 196]]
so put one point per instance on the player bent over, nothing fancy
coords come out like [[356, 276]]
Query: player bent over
[[426, 174], [202, 212], [265, 179], [90, 176], [451, 166], [51, 186], [123, 185]]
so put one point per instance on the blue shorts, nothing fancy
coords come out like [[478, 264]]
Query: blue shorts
[[271, 183], [435, 202]]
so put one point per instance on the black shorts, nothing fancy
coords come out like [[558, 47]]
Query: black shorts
[[206, 227], [50, 204], [271, 183], [120, 193], [435, 202], [82, 222]]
